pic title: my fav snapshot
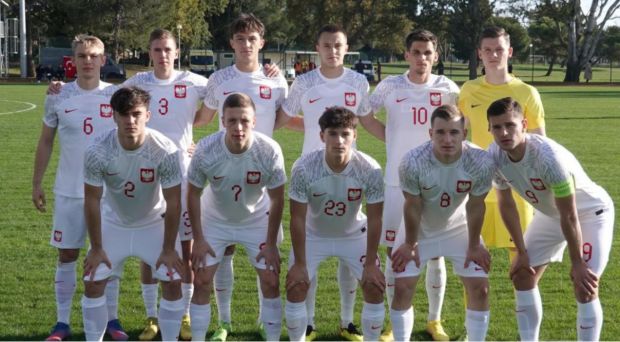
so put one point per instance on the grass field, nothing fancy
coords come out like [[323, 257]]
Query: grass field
[[584, 119]]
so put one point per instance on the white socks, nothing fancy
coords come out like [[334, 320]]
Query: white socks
[[201, 317], [111, 297], [348, 286], [296, 320], [271, 316], [477, 324], [64, 287], [170, 314], [372, 320], [224, 282], [311, 300], [149, 295], [529, 314], [188, 291], [435, 287], [402, 324], [390, 281], [589, 320], [94, 315]]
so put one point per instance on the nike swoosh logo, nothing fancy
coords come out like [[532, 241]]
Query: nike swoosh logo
[[228, 92], [390, 285], [428, 187], [218, 177], [436, 286], [585, 328], [188, 233], [318, 195], [313, 100], [70, 110], [111, 174], [401, 100], [219, 290], [522, 310], [477, 268], [373, 327], [475, 105], [291, 328]]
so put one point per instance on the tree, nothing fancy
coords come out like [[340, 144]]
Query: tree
[[548, 37], [472, 15], [584, 33], [519, 39]]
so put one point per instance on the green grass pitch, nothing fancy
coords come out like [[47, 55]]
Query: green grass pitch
[[585, 119]]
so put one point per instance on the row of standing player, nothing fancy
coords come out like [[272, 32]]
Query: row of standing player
[[326, 82]]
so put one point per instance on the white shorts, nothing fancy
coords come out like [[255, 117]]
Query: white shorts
[[145, 243], [352, 252], [253, 239], [545, 241], [185, 226], [69, 230], [452, 245], [393, 203]]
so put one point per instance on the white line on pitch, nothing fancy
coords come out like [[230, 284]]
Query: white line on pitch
[[31, 107]]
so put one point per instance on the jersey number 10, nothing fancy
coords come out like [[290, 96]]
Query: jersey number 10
[[420, 115]]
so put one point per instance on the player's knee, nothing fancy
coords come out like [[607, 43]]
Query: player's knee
[[68, 255], [523, 280], [478, 290], [584, 296], [94, 289], [372, 293], [297, 293], [230, 250], [270, 282]]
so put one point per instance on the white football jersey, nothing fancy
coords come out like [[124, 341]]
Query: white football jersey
[[236, 195], [409, 107], [79, 116], [267, 93], [312, 92], [445, 188], [335, 199], [174, 103], [133, 179], [547, 167]]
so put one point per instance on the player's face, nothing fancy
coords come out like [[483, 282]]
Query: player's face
[[332, 47], [239, 123], [421, 57], [132, 124], [338, 141], [494, 53], [163, 52], [508, 131], [247, 45], [88, 60], [447, 137]]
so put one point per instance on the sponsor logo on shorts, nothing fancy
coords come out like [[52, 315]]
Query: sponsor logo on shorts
[[463, 186], [67, 111], [435, 99], [147, 175], [354, 194], [105, 110], [265, 92], [390, 235], [350, 99], [428, 187], [537, 184], [57, 235], [180, 91], [253, 177]]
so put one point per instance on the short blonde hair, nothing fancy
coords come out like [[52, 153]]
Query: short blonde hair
[[87, 40]]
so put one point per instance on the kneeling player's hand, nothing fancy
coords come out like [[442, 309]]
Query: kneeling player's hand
[[297, 276], [520, 263], [480, 256], [172, 261], [404, 254], [372, 275], [200, 249], [272, 258], [584, 279], [93, 259]]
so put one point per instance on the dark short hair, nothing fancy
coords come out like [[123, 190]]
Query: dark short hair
[[330, 28], [507, 105], [127, 98], [238, 100], [448, 113], [337, 117], [160, 33], [421, 36], [247, 22], [493, 32]]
